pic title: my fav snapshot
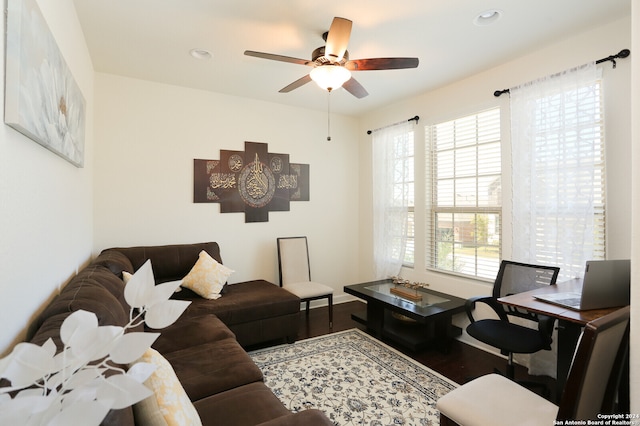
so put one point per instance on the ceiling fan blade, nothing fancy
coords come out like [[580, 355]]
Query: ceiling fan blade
[[280, 58], [299, 82], [352, 86], [337, 39], [381, 64]]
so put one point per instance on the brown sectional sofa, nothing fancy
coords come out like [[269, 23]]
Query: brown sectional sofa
[[205, 345], [256, 311]]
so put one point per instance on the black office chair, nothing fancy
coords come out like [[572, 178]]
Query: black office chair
[[500, 333]]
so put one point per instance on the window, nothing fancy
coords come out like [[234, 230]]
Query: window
[[464, 195], [393, 199], [559, 170], [404, 183], [403, 188]]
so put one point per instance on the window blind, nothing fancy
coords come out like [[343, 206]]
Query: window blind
[[464, 192]]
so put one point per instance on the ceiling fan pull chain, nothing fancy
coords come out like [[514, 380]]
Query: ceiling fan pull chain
[[329, 115]]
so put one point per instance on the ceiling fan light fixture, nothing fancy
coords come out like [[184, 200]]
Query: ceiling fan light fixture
[[330, 77]]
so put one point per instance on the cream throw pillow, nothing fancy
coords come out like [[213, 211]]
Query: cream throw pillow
[[169, 405], [207, 277]]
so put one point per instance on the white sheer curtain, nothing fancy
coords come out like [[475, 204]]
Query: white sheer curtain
[[557, 172], [557, 146], [390, 198]]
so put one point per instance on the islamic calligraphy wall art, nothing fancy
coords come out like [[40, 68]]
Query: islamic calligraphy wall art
[[253, 181]]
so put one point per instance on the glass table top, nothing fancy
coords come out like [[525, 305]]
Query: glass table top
[[428, 299]]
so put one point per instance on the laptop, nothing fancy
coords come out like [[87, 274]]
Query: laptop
[[606, 284]]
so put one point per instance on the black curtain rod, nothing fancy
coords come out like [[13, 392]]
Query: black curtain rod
[[416, 118], [621, 55]]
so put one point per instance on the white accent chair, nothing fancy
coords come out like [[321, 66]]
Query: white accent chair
[[591, 388], [295, 273]]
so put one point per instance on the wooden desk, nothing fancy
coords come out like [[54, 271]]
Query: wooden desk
[[570, 322]]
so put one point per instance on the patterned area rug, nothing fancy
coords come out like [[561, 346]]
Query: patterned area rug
[[354, 379]]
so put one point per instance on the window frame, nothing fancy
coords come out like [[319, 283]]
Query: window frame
[[436, 210]]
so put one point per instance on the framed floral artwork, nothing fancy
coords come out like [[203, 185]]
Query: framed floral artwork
[[42, 99]]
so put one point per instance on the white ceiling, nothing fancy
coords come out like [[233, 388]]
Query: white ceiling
[[151, 39]]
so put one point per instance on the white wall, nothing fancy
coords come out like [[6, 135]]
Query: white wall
[[635, 208], [46, 203], [476, 94], [147, 136]]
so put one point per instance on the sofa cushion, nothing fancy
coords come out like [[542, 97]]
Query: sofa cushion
[[211, 368], [250, 404], [115, 261], [50, 329], [252, 334], [169, 405], [89, 296], [102, 276], [207, 277], [186, 332], [169, 262], [243, 302]]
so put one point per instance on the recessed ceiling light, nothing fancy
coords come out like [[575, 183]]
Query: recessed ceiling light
[[200, 54], [488, 17]]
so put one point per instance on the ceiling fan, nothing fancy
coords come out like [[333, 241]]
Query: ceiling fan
[[331, 64]]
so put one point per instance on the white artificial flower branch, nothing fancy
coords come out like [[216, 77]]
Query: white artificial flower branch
[[50, 389]]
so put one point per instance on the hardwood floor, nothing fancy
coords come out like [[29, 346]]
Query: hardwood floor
[[463, 362]]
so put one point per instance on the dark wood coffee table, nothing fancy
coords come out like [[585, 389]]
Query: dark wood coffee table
[[413, 324]]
